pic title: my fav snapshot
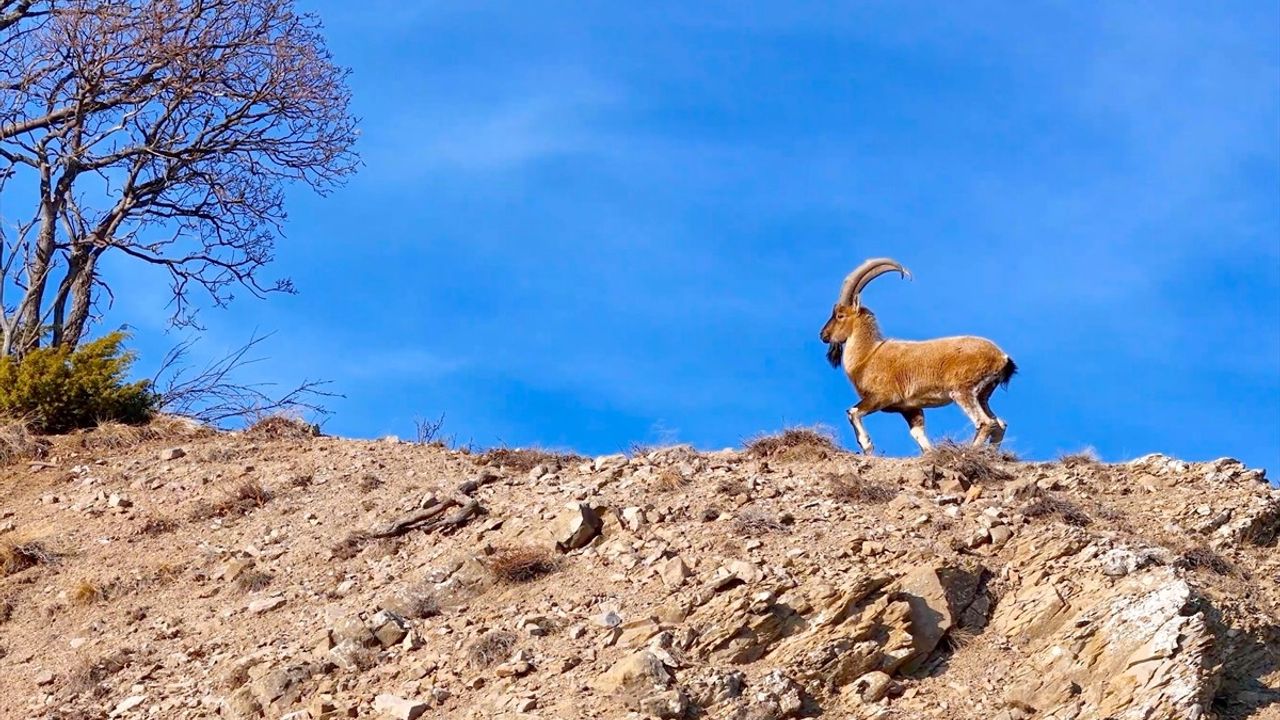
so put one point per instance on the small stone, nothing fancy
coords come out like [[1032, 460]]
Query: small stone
[[674, 572], [633, 519], [389, 628], [1000, 534], [668, 705], [170, 454], [399, 708], [119, 501], [257, 607], [44, 678], [872, 686], [128, 704]]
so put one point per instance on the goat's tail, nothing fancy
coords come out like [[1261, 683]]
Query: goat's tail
[[1008, 371]]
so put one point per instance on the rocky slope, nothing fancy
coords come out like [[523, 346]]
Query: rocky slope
[[187, 574]]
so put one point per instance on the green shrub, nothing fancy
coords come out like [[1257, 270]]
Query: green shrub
[[56, 390]]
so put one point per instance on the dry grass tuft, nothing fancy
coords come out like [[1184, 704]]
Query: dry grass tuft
[[1087, 457], [959, 638], [1048, 505], [522, 460], [490, 648], [18, 443], [112, 435], [1203, 557], [370, 482], [978, 464], [86, 593], [419, 601], [240, 500], [349, 546], [670, 481], [157, 525], [251, 492], [732, 487], [282, 427], [522, 564], [253, 580], [173, 427], [754, 523], [87, 677], [848, 487], [17, 556], [797, 443]]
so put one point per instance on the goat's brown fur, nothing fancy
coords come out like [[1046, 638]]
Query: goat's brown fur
[[906, 376]]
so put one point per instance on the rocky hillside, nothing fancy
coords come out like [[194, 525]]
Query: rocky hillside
[[177, 573]]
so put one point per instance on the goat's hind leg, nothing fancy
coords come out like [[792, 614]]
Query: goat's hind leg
[[984, 400], [986, 426]]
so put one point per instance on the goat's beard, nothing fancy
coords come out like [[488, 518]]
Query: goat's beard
[[835, 353]]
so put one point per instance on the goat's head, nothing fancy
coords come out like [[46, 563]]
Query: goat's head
[[848, 312], [843, 321]]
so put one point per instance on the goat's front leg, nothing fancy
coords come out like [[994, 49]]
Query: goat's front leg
[[855, 414], [915, 421]]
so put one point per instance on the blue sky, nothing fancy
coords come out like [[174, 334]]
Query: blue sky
[[593, 224]]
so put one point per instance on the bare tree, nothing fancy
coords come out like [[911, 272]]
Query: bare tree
[[161, 130], [213, 394]]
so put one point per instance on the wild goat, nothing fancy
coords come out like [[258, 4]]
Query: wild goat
[[904, 376]]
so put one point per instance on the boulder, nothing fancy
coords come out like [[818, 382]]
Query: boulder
[[576, 527], [636, 674]]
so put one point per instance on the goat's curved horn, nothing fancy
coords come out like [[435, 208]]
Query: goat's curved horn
[[855, 281]]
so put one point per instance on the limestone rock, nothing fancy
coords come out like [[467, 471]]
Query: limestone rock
[[388, 627], [1145, 652], [396, 707], [576, 527], [257, 607], [670, 705], [635, 674]]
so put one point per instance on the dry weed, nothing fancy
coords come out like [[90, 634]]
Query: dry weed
[[521, 564], [754, 523], [253, 580], [253, 492], [112, 435], [420, 601], [87, 677], [959, 638], [669, 481], [977, 463], [1047, 505], [16, 556], [1204, 557], [18, 443], [1087, 457], [490, 648], [86, 593], [349, 546], [522, 460], [851, 488], [157, 525], [796, 443], [282, 427], [732, 487]]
